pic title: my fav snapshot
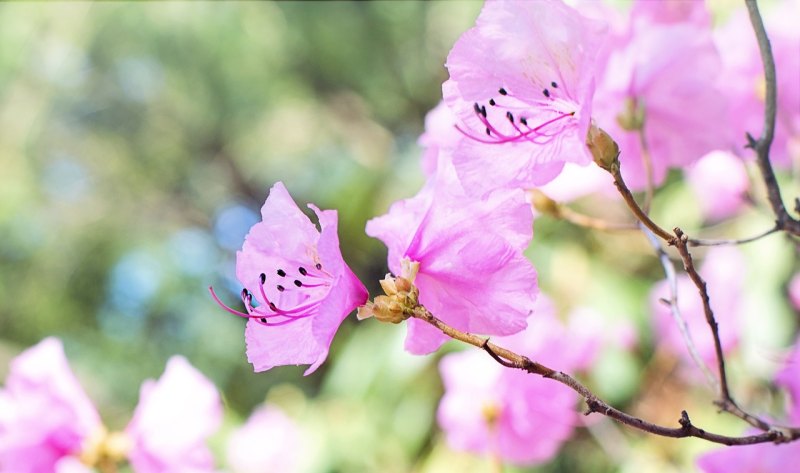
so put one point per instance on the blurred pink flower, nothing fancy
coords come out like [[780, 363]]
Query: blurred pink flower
[[672, 11], [472, 273], [789, 378], [742, 79], [175, 416], [522, 418], [521, 84], [794, 291], [303, 287], [723, 269], [719, 179], [45, 416], [661, 77], [440, 135], [269, 441]]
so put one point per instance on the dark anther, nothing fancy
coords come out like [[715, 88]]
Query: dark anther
[[502, 91], [488, 131], [281, 288], [272, 306], [263, 278], [483, 110], [281, 273], [523, 120], [244, 294], [302, 270], [298, 283], [546, 93], [492, 102], [510, 117], [477, 108], [318, 266], [555, 86], [263, 319]]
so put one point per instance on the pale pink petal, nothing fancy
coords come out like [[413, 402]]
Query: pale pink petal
[[269, 441], [173, 420], [720, 181], [440, 135], [761, 458], [789, 379], [41, 381]]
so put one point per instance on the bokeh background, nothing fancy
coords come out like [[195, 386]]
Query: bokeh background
[[137, 143]]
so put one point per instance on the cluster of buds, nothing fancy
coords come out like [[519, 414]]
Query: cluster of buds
[[400, 299], [104, 450]]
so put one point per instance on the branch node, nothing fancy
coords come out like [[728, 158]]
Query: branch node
[[751, 142]]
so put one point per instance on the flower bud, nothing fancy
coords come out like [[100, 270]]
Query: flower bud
[[385, 309], [605, 150]]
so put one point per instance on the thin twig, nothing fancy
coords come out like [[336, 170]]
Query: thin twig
[[594, 223], [740, 241], [672, 281], [647, 161], [725, 401], [762, 145], [597, 405]]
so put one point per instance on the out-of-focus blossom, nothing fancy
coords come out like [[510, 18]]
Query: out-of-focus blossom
[[660, 80], [472, 273], [440, 135], [303, 287], [719, 179], [45, 416], [723, 270], [671, 11], [521, 85], [490, 409], [269, 441], [742, 79], [172, 421], [794, 291], [789, 378]]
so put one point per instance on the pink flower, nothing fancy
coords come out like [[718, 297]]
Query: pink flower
[[45, 416], [761, 458], [175, 416], [789, 378], [269, 441], [672, 11], [472, 273], [440, 135], [719, 179], [742, 79], [723, 270], [661, 77], [794, 291], [521, 84], [522, 418], [303, 287]]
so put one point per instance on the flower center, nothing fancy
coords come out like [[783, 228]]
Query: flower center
[[513, 126], [296, 294]]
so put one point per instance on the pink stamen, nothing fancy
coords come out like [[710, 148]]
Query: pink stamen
[[221, 304]]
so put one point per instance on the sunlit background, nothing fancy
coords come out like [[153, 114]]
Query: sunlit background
[[137, 143]]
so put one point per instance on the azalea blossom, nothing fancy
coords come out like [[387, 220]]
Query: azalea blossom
[[724, 271], [521, 85], [521, 418], [659, 92], [471, 270], [268, 441], [789, 379], [719, 198], [45, 416], [298, 289], [174, 418], [441, 135]]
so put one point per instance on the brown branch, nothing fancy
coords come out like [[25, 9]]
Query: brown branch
[[594, 223], [725, 401], [640, 214], [597, 405], [762, 145]]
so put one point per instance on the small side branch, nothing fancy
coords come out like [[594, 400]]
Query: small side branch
[[596, 405], [762, 145], [741, 241]]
